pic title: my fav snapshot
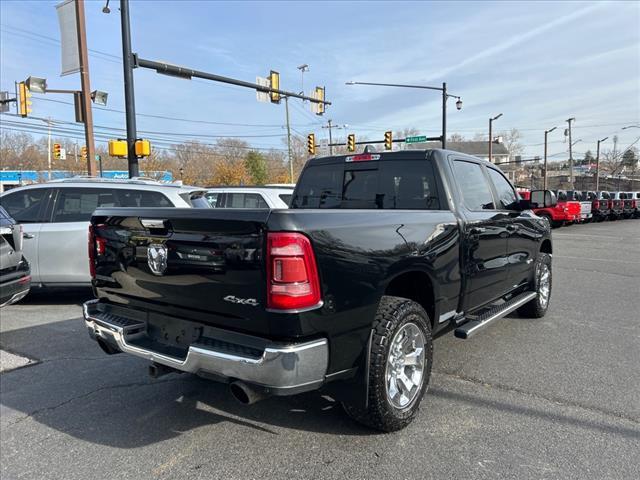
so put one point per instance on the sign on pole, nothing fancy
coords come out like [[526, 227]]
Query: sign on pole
[[263, 96], [417, 139], [68, 37], [63, 154]]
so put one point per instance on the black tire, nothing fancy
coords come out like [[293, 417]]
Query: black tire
[[393, 313], [537, 308]]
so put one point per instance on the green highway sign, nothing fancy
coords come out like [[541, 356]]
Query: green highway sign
[[418, 139]]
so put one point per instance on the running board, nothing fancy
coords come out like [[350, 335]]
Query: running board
[[473, 326]]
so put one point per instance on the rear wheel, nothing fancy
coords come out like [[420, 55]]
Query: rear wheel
[[399, 366], [537, 308]]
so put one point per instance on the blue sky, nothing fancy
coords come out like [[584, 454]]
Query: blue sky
[[538, 63]]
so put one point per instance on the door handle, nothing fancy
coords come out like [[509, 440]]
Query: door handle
[[477, 230], [28, 235]]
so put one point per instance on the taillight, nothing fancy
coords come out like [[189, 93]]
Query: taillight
[[596, 204], [292, 274], [97, 246]]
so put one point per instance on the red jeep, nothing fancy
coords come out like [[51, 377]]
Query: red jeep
[[558, 215]]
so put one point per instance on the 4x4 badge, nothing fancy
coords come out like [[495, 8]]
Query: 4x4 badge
[[242, 301], [157, 258]]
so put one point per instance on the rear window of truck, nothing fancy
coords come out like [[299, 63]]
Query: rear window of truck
[[399, 184]]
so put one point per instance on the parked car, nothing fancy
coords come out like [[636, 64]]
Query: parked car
[[585, 205], [556, 215], [55, 217], [249, 197], [617, 205], [345, 290], [636, 196], [629, 209], [600, 205], [15, 275], [571, 207]]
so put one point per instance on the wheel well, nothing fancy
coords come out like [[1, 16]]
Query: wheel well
[[415, 286], [546, 247]]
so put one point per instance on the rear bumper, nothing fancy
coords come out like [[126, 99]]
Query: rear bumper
[[15, 289], [283, 369]]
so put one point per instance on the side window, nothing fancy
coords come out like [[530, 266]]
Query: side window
[[212, 198], [476, 193], [141, 198], [25, 206], [506, 195], [245, 200], [77, 204]]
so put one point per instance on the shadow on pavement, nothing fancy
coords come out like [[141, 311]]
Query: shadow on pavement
[[57, 296]]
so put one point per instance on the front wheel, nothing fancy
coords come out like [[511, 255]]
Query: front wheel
[[537, 308], [399, 365]]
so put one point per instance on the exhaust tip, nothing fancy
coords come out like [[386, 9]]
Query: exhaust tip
[[246, 394]]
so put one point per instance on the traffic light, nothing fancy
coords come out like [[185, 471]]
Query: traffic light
[[319, 95], [388, 140], [83, 153], [311, 144], [24, 104], [351, 142], [57, 151], [118, 148], [143, 148], [274, 79]]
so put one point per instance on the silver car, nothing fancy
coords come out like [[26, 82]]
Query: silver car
[[55, 219], [265, 197]]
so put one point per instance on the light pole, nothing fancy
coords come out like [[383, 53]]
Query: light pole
[[48, 121], [442, 89], [569, 121], [491, 120], [546, 134], [598, 163], [286, 106]]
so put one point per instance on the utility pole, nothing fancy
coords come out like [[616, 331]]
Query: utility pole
[[49, 146], [330, 127], [286, 106], [491, 120], [546, 133], [444, 115], [598, 164], [129, 100], [85, 87], [569, 120]]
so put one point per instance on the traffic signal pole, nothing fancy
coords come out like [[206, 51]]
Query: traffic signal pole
[[129, 99]]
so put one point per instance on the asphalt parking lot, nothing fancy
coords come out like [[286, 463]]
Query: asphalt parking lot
[[552, 398]]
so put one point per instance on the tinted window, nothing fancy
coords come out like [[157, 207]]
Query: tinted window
[[387, 185], [141, 198], [77, 204], [245, 200], [476, 193], [285, 197], [24, 206], [506, 195]]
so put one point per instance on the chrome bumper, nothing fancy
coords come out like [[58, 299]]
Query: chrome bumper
[[284, 369]]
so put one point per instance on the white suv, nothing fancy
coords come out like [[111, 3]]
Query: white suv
[[55, 219], [250, 197]]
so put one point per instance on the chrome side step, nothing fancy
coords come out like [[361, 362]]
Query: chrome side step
[[473, 326]]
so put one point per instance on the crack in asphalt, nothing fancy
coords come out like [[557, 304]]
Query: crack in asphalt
[[88, 394], [551, 399]]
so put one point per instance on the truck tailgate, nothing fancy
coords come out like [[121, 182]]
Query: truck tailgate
[[204, 265]]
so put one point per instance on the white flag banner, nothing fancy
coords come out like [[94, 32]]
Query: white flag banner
[[68, 37]]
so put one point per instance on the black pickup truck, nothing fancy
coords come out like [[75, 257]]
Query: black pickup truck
[[344, 291]]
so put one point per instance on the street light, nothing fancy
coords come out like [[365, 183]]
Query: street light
[[442, 89], [36, 84], [598, 164], [99, 98], [546, 133], [491, 120], [567, 132]]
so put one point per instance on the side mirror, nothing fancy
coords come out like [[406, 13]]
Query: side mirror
[[543, 199]]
